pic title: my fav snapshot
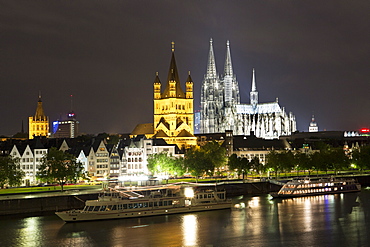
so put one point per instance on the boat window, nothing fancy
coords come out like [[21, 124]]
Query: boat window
[[96, 208], [221, 195], [169, 202], [124, 206], [102, 208], [200, 196], [130, 206], [160, 203], [109, 207], [114, 207], [150, 204], [155, 204], [145, 204], [165, 203]]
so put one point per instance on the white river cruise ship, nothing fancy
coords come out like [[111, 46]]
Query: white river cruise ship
[[307, 187], [117, 204]]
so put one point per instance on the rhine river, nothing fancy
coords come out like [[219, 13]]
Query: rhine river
[[330, 220]]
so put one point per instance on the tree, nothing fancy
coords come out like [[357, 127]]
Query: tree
[[273, 162], [286, 159], [241, 165], [197, 162], [10, 172], [215, 153], [302, 161], [204, 160], [338, 160], [361, 158], [60, 167], [161, 163], [257, 165]]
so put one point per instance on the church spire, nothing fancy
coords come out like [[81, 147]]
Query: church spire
[[254, 94], [211, 67], [228, 70], [40, 115], [173, 87], [254, 88]]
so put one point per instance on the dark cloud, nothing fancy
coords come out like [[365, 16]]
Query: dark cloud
[[312, 55]]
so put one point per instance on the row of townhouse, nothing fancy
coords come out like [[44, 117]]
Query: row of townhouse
[[127, 158]]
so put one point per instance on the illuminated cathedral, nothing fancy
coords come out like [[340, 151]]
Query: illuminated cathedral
[[173, 109], [221, 109]]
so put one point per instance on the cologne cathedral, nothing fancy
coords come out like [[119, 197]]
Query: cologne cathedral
[[221, 108]]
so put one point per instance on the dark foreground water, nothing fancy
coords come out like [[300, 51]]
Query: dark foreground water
[[331, 220]]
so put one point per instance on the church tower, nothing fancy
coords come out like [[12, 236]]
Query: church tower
[[231, 95], [38, 125], [313, 125], [211, 96], [173, 109]]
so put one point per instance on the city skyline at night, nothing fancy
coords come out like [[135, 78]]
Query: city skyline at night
[[312, 56]]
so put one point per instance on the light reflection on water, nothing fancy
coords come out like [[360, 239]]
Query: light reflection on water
[[189, 229], [328, 220]]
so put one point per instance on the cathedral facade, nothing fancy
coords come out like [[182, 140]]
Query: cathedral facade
[[221, 109]]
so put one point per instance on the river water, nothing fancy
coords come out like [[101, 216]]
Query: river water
[[328, 220]]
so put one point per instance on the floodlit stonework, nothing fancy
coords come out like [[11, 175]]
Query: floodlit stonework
[[221, 109]]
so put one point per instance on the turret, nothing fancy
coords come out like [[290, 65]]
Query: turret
[[157, 87], [189, 87]]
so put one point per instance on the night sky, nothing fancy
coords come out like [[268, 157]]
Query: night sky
[[313, 55]]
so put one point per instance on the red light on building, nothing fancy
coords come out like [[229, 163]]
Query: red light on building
[[365, 130]]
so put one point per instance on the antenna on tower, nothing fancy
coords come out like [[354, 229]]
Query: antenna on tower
[[71, 102], [71, 114]]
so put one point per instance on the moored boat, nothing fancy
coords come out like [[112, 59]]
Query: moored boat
[[307, 187], [118, 204]]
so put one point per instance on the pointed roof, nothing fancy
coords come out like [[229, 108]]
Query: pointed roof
[[254, 87], [185, 133], [40, 115], [156, 80], [211, 67], [173, 75], [160, 133], [189, 79], [228, 70]]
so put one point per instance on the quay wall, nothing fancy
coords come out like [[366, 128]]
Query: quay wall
[[40, 205]]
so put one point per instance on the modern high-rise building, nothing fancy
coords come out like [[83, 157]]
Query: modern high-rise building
[[173, 109], [221, 109], [38, 125], [66, 128]]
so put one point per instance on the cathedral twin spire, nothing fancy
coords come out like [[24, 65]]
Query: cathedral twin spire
[[211, 67], [221, 109], [228, 70]]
